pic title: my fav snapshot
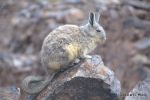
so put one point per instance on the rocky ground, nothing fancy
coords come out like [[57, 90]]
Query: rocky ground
[[25, 23]]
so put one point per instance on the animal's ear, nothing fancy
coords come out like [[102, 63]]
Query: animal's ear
[[91, 18], [97, 17]]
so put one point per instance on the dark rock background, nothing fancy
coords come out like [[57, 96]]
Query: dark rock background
[[25, 23]]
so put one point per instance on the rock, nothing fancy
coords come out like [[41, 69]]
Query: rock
[[66, 16], [105, 2], [9, 93], [114, 14], [137, 23], [8, 2], [143, 45], [30, 14], [141, 91], [35, 14], [21, 63], [137, 4], [74, 1], [73, 15], [141, 60], [88, 80]]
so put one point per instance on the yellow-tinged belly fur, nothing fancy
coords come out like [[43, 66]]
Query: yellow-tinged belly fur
[[73, 50]]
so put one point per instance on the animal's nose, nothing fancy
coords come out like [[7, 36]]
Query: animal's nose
[[103, 38]]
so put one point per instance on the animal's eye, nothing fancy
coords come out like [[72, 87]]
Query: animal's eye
[[98, 30]]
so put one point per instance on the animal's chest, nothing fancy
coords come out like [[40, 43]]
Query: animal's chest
[[90, 47]]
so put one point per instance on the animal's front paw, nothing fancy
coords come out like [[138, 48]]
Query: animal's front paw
[[76, 61], [87, 57]]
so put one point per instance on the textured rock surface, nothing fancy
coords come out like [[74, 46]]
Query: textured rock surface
[[141, 91], [88, 80], [143, 45], [9, 93]]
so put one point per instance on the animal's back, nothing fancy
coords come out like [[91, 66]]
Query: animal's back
[[65, 33]]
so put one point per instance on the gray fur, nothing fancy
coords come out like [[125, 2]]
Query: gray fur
[[54, 54]]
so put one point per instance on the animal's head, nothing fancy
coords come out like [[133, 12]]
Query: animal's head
[[93, 28]]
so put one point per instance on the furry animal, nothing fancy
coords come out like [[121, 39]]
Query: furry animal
[[62, 47]]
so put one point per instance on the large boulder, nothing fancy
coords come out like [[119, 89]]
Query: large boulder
[[88, 80]]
